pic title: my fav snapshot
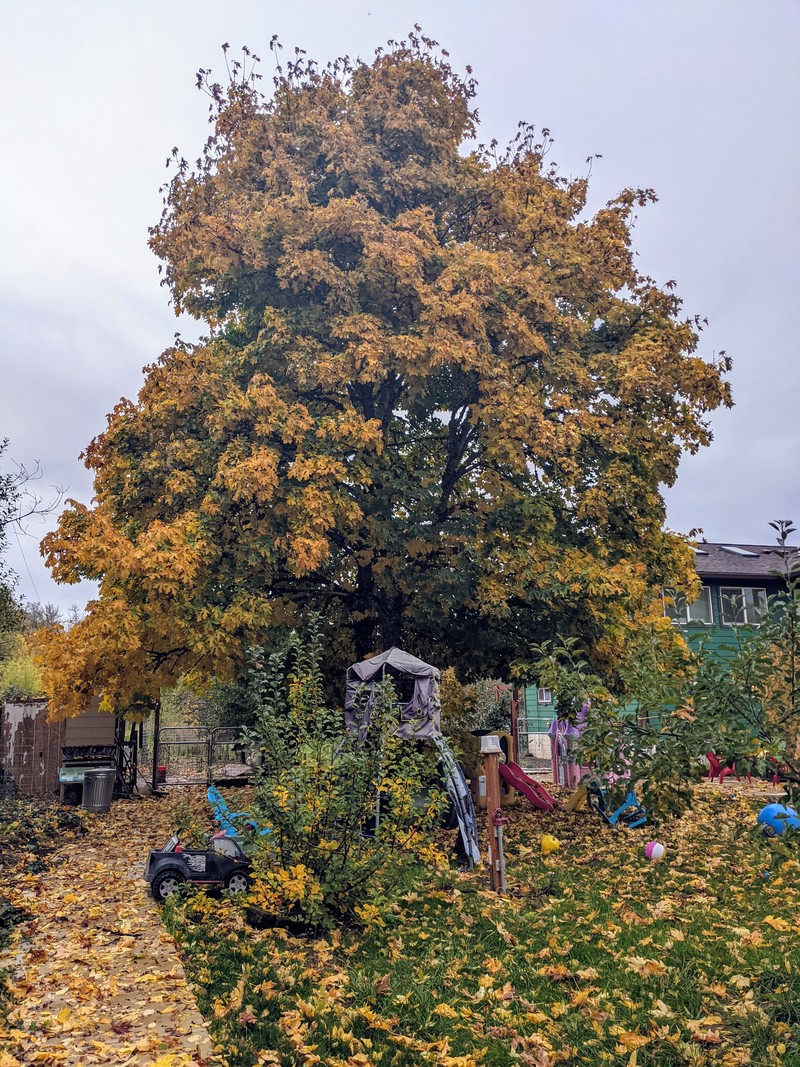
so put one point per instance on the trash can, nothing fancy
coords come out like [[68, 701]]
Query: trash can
[[98, 789]]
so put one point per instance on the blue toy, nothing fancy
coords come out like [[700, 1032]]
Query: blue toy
[[232, 822], [774, 818], [630, 813]]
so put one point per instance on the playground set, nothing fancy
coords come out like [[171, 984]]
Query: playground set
[[416, 684], [225, 862]]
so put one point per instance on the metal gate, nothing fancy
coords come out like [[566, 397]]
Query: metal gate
[[229, 757], [182, 755], [197, 755]]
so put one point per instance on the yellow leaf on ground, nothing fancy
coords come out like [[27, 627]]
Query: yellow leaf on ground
[[445, 1011], [778, 924], [628, 1039], [643, 967]]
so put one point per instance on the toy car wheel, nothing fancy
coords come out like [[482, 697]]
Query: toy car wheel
[[237, 882], [165, 883]]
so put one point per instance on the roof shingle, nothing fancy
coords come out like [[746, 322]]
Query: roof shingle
[[740, 561]]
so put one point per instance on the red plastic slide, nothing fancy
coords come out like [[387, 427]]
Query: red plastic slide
[[514, 775]]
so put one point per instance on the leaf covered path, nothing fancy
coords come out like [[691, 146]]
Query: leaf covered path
[[94, 977]]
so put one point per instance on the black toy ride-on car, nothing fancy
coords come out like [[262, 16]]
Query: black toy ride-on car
[[222, 864]]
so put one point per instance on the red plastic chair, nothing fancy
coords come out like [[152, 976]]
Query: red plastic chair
[[716, 767]]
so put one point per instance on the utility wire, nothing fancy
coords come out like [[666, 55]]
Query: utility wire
[[27, 568]]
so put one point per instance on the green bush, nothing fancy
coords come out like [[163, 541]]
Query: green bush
[[672, 703], [20, 677], [343, 808]]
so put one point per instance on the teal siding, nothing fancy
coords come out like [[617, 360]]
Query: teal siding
[[718, 639], [538, 717], [716, 636]]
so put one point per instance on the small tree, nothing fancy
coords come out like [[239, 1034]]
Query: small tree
[[631, 733], [753, 697], [671, 704], [342, 810]]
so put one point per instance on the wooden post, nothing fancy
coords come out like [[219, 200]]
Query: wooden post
[[156, 728], [490, 750]]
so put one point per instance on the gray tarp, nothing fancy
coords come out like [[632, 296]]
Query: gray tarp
[[419, 717]]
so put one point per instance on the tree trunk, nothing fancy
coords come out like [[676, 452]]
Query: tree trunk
[[364, 606]]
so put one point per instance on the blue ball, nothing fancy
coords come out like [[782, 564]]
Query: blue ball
[[774, 818]]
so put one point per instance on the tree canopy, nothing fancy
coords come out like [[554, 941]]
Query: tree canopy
[[437, 401]]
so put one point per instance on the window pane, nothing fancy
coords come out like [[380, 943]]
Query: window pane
[[700, 610], [674, 606], [732, 601], [756, 600], [742, 606]]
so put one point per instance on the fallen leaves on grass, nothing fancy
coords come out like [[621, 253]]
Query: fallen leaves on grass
[[621, 962]]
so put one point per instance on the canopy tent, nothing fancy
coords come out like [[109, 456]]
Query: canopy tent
[[417, 685], [419, 715]]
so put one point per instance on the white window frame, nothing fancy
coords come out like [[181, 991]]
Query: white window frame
[[740, 591], [680, 611], [544, 696]]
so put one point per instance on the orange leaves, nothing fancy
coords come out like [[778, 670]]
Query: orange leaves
[[253, 477], [317, 469], [445, 1011], [97, 977], [350, 428], [644, 968], [628, 1040], [779, 924], [436, 392]]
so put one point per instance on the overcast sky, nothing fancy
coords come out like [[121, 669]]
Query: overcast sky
[[695, 98]]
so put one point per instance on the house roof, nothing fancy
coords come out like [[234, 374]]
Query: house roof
[[731, 560]]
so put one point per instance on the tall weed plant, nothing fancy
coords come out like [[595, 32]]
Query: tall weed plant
[[346, 808]]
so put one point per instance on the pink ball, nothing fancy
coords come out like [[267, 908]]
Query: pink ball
[[654, 851]]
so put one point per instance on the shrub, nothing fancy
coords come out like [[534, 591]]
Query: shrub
[[19, 676], [671, 704], [343, 806]]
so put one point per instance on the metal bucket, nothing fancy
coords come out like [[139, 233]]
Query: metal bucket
[[98, 789]]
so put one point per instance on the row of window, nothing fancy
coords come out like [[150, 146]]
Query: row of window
[[739, 606]]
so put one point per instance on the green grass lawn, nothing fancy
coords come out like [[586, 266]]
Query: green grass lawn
[[596, 956]]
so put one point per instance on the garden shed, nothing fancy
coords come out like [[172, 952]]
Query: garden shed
[[35, 750]]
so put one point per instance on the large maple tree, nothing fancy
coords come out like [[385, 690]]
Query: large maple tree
[[437, 401]]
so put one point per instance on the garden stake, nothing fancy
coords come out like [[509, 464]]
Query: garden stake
[[498, 822]]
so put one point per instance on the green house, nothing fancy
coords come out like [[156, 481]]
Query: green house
[[737, 582]]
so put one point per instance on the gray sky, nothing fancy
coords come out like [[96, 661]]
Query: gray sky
[[696, 98]]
